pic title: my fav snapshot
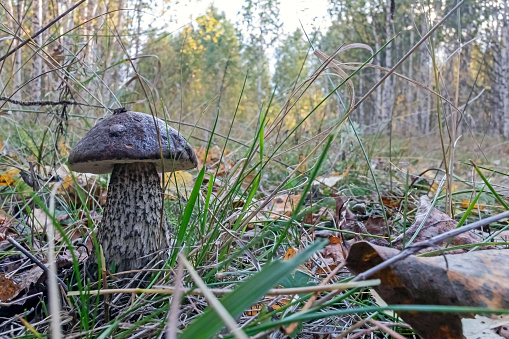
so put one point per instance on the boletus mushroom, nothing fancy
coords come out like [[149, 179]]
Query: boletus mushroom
[[133, 147]]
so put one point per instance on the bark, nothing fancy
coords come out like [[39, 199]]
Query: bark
[[505, 68], [130, 232], [259, 90], [412, 118], [17, 55], [424, 97], [116, 71], [388, 92], [378, 75], [36, 60], [361, 106]]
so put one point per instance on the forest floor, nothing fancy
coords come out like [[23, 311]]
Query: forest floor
[[277, 256]]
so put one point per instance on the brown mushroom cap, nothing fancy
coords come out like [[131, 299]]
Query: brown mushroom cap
[[130, 137]]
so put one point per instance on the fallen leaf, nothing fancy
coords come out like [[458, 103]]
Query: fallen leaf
[[7, 178], [283, 204], [466, 203], [482, 327], [63, 148], [290, 253], [178, 179], [478, 279], [39, 220], [214, 160], [8, 289], [328, 181], [436, 223], [30, 277], [333, 253], [345, 219]]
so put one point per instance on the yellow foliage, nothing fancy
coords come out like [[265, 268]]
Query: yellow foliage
[[465, 203], [7, 178], [179, 178], [64, 149]]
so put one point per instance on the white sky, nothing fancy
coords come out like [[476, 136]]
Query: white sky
[[312, 13], [171, 15]]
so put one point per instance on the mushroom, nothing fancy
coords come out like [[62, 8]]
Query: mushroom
[[129, 145]]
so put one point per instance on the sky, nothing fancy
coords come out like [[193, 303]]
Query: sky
[[312, 13]]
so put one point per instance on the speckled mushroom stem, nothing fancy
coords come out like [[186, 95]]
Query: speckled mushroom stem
[[130, 232]]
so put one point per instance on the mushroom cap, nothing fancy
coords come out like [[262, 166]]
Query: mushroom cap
[[129, 137]]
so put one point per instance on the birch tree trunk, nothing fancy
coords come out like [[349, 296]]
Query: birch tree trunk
[[505, 68], [412, 119], [424, 98], [378, 75], [37, 61], [17, 55], [389, 84]]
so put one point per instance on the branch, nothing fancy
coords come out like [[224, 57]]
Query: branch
[[433, 242], [41, 30]]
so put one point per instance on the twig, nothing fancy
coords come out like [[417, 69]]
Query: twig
[[171, 330], [355, 326], [54, 295], [48, 103], [18, 301], [386, 329], [214, 303], [310, 301], [41, 30], [433, 242], [221, 291], [36, 261]]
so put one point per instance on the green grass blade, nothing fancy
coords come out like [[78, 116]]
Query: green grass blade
[[497, 196], [246, 294]]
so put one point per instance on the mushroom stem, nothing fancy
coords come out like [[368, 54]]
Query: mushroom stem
[[130, 232]]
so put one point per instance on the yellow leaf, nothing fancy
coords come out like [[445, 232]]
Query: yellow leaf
[[465, 203], [178, 179], [68, 182], [64, 149], [6, 179], [290, 253]]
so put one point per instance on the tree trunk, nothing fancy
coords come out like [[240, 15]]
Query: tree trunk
[[412, 118], [17, 55], [36, 60], [424, 97], [130, 232], [378, 76], [389, 84], [259, 90], [505, 68]]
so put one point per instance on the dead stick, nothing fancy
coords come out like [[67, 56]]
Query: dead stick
[[221, 291], [416, 248], [41, 30], [433, 242], [36, 261]]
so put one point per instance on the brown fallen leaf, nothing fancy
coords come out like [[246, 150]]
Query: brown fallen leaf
[[470, 279], [8, 289], [215, 158], [482, 327], [334, 252], [436, 223], [290, 252], [344, 218], [30, 277], [283, 204]]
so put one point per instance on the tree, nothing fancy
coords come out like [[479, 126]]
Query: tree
[[261, 18]]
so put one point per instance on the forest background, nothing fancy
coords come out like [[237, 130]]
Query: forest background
[[199, 69]]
